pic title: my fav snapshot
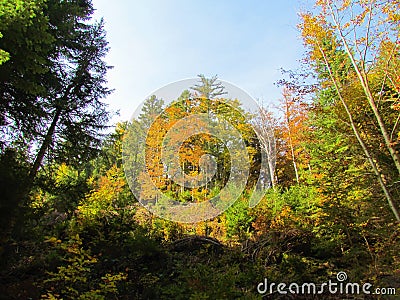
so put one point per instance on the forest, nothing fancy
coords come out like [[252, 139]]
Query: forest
[[77, 223]]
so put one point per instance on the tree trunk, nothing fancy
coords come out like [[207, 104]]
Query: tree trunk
[[361, 142], [290, 139], [362, 76], [43, 148]]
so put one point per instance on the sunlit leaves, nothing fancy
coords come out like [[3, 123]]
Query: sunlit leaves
[[105, 197]]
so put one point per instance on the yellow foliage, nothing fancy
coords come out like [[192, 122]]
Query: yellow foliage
[[107, 192], [53, 240], [285, 219]]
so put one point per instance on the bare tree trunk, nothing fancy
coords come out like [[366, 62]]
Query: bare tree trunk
[[48, 139], [267, 140], [293, 159]]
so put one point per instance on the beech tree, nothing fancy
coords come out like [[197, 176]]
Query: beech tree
[[361, 27], [330, 53]]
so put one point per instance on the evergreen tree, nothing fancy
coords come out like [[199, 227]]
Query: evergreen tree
[[52, 97], [209, 88]]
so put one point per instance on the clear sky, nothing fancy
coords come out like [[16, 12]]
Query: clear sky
[[154, 43]]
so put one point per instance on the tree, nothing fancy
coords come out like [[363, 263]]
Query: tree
[[209, 87], [152, 107], [75, 112], [361, 27], [265, 123], [330, 52], [51, 90], [291, 134], [175, 149], [288, 124], [368, 35], [16, 15], [54, 80], [27, 46]]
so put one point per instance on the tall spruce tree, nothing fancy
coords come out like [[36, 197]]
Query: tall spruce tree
[[52, 82], [52, 85]]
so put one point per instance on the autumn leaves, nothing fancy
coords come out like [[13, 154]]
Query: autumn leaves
[[197, 155], [354, 47]]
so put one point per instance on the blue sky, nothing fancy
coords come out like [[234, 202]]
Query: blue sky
[[154, 43]]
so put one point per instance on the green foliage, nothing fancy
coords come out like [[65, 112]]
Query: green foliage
[[25, 44], [70, 224], [209, 87], [60, 189], [238, 220], [225, 276], [52, 86], [109, 246], [76, 279], [18, 18], [107, 197]]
